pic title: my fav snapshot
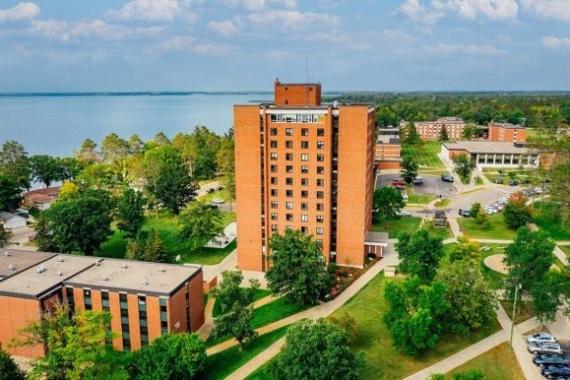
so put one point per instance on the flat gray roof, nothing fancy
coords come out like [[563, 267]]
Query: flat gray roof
[[376, 237], [134, 276], [43, 277], [488, 147], [14, 261]]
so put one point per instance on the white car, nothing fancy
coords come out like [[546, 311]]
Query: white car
[[544, 348], [218, 201], [540, 338]]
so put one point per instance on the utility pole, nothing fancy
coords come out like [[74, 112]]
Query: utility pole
[[514, 311]]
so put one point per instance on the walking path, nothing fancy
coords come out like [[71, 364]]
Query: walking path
[[229, 263], [208, 326], [454, 225], [320, 311]]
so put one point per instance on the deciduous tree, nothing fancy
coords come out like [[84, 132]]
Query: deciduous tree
[[409, 169], [130, 212], [463, 166], [516, 213], [9, 370], [14, 163], [387, 202], [420, 253], [5, 236], [45, 169], [199, 223], [10, 194]]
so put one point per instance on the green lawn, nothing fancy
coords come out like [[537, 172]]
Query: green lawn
[[421, 199], [405, 224], [495, 229], [546, 216], [259, 294], [495, 279], [266, 314], [498, 363], [384, 361], [167, 227], [425, 154], [442, 203], [222, 364]]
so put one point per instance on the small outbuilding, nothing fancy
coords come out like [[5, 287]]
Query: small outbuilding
[[11, 221]]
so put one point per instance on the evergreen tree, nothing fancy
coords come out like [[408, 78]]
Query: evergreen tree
[[443, 137], [155, 250], [9, 370], [5, 236]]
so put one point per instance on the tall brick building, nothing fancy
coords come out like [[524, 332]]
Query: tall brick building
[[307, 166], [431, 130], [145, 300], [506, 132]]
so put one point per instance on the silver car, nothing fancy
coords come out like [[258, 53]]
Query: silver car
[[541, 338], [544, 348]]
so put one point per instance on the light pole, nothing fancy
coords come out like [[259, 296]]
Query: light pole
[[519, 286]]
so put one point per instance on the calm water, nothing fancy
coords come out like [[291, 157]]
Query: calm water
[[58, 125]]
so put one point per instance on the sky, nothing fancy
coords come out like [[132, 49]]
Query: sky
[[381, 45]]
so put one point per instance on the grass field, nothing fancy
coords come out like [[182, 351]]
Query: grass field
[[442, 203], [167, 227], [383, 360], [422, 199], [395, 226], [495, 229], [497, 364], [220, 365], [495, 279], [425, 154], [547, 218]]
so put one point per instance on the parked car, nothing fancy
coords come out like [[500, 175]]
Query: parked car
[[464, 213], [399, 187], [541, 337], [418, 181], [218, 201], [544, 348], [555, 372], [405, 196], [403, 213], [398, 182], [447, 178], [549, 359], [513, 182]]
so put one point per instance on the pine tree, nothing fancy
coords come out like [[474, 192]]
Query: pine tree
[[155, 250]]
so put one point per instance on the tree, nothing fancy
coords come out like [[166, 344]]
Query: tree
[[226, 165], [45, 169], [316, 350], [9, 370], [235, 307], [69, 168], [298, 269], [136, 249], [469, 131], [464, 249], [411, 134], [68, 189], [155, 250], [88, 151], [79, 223], [14, 163], [443, 137], [516, 213], [409, 169], [560, 188], [10, 194], [160, 139], [475, 209], [469, 295], [385, 117], [136, 145], [113, 148], [420, 253], [168, 178], [76, 346], [463, 166], [387, 202], [5, 236], [199, 223], [170, 357], [130, 212], [482, 218]]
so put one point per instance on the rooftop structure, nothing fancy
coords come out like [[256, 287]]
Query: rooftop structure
[[41, 198], [13, 261], [488, 147], [492, 153]]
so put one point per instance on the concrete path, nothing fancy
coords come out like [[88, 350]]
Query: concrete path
[[227, 264], [561, 255], [320, 311], [265, 300], [454, 225], [206, 329]]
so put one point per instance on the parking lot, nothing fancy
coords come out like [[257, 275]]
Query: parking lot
[[564, 345], [432, 185]]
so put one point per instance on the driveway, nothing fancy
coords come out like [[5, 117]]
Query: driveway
[[432, 184]]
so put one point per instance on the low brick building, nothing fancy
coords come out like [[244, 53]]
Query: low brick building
[[388, 150], [506, 132], [431, 130], [145, 299]]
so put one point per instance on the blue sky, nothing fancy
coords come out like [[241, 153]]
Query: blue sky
[[104, 45]]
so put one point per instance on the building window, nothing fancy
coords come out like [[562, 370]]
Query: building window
[[320, 194], [304, 229], [320, 182], [320, 207], [273, 144], [289, 205], [273, 155], [274, 204], [320, 132], [320, 157], [289, 217], [289, 156], [273, 131], [289, 144], [274, 227], [273, 168], [304, 182], [289, 131], [126, 337], [289, 193], [320, 145], [305, 132], [320, 170], [304, 218], [87, 299], [143, 322], [320, 219], [304, 157], [274, 192], [304, 206], [163, 315], [273, 216], [304, 169], [304, 194], [304, 144], [289, 181], [274, 180], [320, 231], [70, 299], [289, 169]]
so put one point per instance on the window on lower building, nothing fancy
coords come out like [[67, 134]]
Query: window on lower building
[[304, 218], [289, 217], [304, 157], [320, 231], [273, 131], [320, 194], [320, 170], [304, 144], [304, 206], [274, 192], [320, 219], [273, 168], [304, 194], [273, 155], [87, 299]]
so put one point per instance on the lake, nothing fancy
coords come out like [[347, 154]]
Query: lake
[[57, 125]]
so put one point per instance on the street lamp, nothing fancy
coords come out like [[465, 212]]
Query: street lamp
[[517, 288]]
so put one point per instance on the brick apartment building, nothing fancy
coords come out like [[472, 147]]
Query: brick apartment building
[[307, 166], [145, 300], [506, 132], [431, 130], [388, 149]]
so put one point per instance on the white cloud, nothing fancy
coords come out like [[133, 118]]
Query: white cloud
[[292, 20], [257, 5], [20, 11], [150, 10], [226, 28], [555, 42], [99, 29], [549, 9], [465, 49], [190, 44], [425, 12]]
